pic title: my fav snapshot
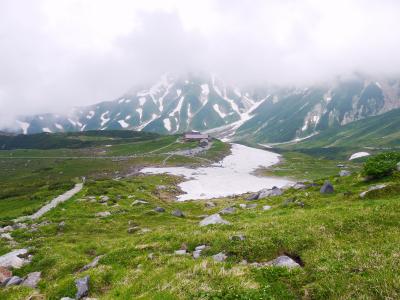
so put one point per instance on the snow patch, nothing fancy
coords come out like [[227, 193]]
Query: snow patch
[[142, 100], [46, 129], [24, 126], [123, 123], [178, 92], [59, 126], [90, 114], [219, 112], [167, 124], [140, 112], [358, 155], [103, 118], [233, 175]]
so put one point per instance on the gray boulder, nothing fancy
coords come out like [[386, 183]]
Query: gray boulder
[[327, 188], [178, 213], [227, 211], [372, 188], [138, 202], [181, 252], [82, 285], [266, 207], [213, 219], [103, 214], [253, 197], [196, 253], [14, 280], [275, 191], [92, 264], [220, 257], [32, 279], [159, 209], [284, 261], [344, 173], [251, 206], [210, 204]]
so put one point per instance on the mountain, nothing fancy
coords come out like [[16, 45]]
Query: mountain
[[372, 132], [204, 103]]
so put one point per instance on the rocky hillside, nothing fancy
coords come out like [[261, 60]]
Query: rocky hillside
[[267, 114]]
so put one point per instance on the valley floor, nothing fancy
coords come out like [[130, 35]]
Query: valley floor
[[348, 247]]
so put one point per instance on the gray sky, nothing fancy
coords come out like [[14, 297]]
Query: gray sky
[[55, 54]]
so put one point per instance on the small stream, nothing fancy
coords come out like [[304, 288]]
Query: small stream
[[232, 176]]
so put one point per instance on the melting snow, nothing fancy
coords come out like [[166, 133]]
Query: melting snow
[[178, 107], [233, 175], [24, 126], [140, 112], [128, 117], [123, 123], [46, 129], [358, 155], [72, 122], [142, 100], [59, 126], [90, 114], [103, 118], [221, 114], [167, 124], [178, 92]]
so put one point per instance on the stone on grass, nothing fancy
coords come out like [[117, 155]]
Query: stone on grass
[[344, 173], [251, 206], [4, 274], [13, 259], [178, 213], [327, 188], [103, 214], [32, 279], [283, 261], [133, 229], [299, 186], [159, 209], [181, 252], [238, 237], [201, 247], [266, 207], [82, 285], [275, 191], [66, 298], [209, 204], [252, 197], [220, 257], [138, 202], [372, 188], [227, 210], [14, 280], [92, 264], [6, 236], [213, 219], [104, 199], [242, 205], [398, 166], [196, 253]]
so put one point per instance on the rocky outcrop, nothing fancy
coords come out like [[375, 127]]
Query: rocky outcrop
[[213, 219], [327, 188]]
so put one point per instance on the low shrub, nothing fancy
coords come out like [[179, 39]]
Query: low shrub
[[382, 164]]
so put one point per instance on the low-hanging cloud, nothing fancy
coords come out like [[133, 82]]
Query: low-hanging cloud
[[59, 54]]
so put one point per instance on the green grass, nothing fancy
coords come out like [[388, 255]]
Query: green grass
[[349, 246], [301, 166]]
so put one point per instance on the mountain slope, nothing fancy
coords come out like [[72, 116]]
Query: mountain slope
[[374, 132], [205, 103]]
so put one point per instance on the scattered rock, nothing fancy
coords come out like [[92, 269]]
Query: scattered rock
[[200, 248], [398, 166], [32, 279], [344, 173], [327, 188], [252, 197], [242, 205], [341, 166], [283, 261], [227, 211], [61, 224], [373, 188], [92, 264], [150, 256], [299, 186], [133, 229], [103, 214], [210, 204], [66, 298], [181, 252], [138, 202], [178, 213], [213, 219], [161, 187], [13, 259], [196, 253], [220, 257], [251, 206], [82, 284], [6, 229], [238, 237], [159, 209], [275, 191], [104, 199], [6, 236], [266, 207], [14, 280], [4, 274]]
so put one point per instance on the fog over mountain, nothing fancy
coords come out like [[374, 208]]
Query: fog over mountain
[[58, 54]]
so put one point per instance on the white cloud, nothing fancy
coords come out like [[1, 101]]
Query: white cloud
[[56, 54]]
